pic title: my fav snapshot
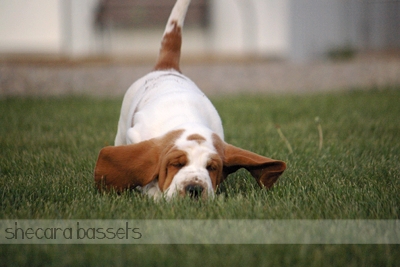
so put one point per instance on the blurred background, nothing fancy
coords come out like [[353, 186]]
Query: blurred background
[[289, 31]]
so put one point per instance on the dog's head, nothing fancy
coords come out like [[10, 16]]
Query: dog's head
[[182, 163]]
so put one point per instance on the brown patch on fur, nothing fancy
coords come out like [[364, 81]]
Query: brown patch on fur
[[218, 144], [125, 167], [265, 170], [170, 165], [196, 137], [170, 51]]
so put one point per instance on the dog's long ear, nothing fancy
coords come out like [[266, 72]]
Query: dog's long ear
[[266, 171], [125, 167], [128, 166]]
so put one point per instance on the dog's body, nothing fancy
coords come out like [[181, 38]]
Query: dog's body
[[170, 136], [163, 101]]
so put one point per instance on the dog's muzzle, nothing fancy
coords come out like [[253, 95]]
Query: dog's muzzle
[[195, 190]]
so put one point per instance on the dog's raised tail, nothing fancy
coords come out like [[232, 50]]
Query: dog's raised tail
[[170, 51]]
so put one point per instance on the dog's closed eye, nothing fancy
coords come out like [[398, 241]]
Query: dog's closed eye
[[177, 165]]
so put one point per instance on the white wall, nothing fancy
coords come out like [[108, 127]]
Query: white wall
[[316, 26], [61, 27], [295, 29], [273, 27], [146, 42], [236, 27], [79, 29], [319, 26], [30, 26], [250, 26]]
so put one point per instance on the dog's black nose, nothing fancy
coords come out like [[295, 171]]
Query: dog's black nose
[[194, 190]]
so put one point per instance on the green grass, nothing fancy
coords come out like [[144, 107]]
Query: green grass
[[48, 148]]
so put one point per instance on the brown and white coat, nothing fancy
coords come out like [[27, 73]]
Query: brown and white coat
[[170, 138]]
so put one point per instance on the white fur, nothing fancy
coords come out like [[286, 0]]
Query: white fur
[[178, 14], [163, 101]]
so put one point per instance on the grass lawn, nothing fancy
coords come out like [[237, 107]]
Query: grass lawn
[[48, 149]]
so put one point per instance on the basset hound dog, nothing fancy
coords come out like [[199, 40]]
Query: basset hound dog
[[170, 139]]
